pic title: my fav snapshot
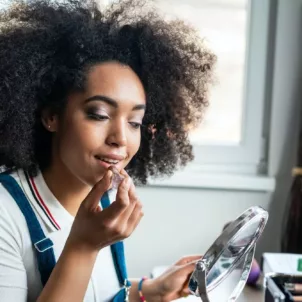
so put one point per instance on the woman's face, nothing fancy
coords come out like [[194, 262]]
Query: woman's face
[[101, 126]]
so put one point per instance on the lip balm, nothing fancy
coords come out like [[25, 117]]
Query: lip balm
[[117, 178]]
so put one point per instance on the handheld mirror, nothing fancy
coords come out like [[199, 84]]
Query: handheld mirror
[[229, 259]]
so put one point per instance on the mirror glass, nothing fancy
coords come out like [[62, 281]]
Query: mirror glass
[[227, 262]]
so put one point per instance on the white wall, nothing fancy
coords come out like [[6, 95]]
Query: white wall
[[179, 222], [186, 221]]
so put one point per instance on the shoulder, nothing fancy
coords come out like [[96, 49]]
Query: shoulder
[[12, 221], [7, 202], [13, 277]]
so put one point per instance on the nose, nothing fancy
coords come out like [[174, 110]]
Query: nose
[[117, 136]]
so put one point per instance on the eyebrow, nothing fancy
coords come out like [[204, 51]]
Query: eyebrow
[[111, 102]]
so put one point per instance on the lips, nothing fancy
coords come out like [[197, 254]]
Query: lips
[[111, 159], [108, 160]]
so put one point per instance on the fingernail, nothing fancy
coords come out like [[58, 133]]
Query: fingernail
[[127, 182], [109, 174]]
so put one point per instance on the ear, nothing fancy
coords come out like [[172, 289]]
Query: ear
[[49, 120]]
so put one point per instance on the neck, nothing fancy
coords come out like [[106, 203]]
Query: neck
[[67, 189]]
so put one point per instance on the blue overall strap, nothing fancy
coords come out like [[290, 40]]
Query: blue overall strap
[[118, 254], [43, 245]]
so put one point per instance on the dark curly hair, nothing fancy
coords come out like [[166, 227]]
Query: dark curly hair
[[46, 48]]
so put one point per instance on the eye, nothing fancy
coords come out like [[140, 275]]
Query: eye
[[135, 125], [97, 117]]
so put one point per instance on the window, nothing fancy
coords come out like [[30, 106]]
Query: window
[[230, 136], [229, 146], [223, 27]]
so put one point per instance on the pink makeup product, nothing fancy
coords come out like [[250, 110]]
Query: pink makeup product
[[117, 178]]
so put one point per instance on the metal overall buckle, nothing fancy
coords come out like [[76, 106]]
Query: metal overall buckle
[[127, 290]]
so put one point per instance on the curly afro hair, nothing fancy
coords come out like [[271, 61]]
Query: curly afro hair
[[46, 48]]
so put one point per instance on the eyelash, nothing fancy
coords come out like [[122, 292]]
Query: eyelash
[[136, 126], [99, 117]]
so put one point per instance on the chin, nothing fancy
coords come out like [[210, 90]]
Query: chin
[[97, 178], [92, 178]]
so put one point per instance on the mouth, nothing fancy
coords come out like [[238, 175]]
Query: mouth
[[108, 160], [111, 159]]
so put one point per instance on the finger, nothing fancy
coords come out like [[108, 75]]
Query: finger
[[93, 198], [123, 190], [133, 201], [186, 283], [132, 193], [124, 173], [185, 292], [135, 217], [121, 203], [188, 259], [187, 269]]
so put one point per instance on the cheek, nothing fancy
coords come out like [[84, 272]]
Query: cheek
[[134, 144], [78, 139]]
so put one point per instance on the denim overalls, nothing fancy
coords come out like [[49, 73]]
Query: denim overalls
[[44, 246]]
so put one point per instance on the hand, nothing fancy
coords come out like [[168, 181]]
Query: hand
[[173, 284], [95, 228]]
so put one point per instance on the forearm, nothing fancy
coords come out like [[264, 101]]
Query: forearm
[[71, 275], [150, 290]]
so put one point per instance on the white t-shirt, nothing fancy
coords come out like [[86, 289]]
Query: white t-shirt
[[19, 275]]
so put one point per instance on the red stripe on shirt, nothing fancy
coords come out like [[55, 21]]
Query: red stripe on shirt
[[43, 203]]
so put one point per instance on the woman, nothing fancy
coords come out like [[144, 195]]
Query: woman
[[82, 91]]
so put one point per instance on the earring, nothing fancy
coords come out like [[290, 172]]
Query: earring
[[49, 127]]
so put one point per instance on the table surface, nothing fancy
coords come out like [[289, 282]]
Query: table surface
[[250, 294]]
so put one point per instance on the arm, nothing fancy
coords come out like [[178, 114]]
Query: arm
[[171, 285], [92, 230], [71, 275], [150, 289]]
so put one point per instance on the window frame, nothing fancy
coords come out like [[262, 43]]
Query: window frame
[[244, 166], [246, 156]]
